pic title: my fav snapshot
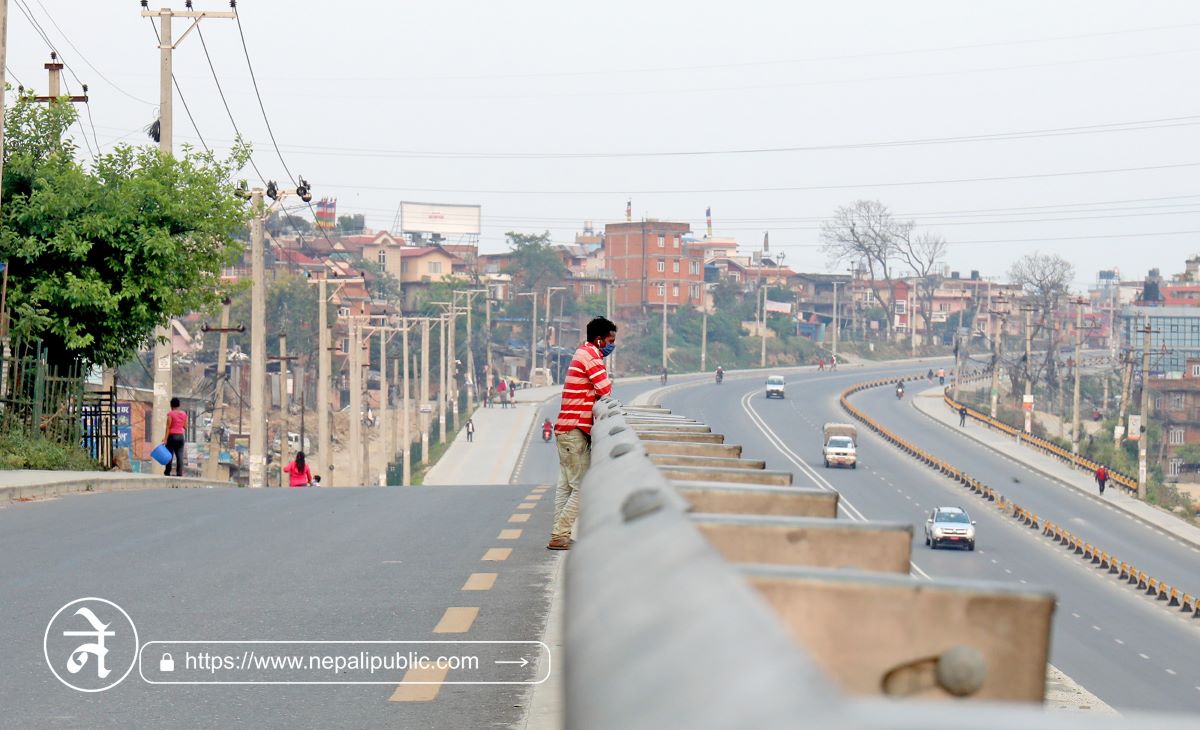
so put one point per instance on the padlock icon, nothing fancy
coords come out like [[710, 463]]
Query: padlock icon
[[166, 664]]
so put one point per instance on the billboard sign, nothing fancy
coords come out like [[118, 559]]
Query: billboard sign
[[440, 218], [124, 414], [1135, 426]]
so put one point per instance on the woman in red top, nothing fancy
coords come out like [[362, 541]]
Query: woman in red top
[[300, 472], [174, 438]]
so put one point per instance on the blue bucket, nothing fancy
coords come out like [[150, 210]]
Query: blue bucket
[[161, 454]]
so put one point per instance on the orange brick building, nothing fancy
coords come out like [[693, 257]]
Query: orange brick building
[[649, 261]]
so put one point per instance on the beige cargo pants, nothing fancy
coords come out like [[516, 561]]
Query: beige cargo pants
[[574, 458]]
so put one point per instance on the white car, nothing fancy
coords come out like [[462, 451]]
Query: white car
[[949, 526], [775, 385]]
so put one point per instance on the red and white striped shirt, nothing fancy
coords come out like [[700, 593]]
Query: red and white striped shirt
[[587, 379]]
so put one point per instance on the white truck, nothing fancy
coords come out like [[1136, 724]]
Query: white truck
[[840, 445]]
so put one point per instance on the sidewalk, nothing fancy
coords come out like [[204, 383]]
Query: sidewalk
[[500, 437], [930, 403], [25, 484]]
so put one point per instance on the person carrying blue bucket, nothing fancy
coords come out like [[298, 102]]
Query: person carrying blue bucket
[[174, 438]]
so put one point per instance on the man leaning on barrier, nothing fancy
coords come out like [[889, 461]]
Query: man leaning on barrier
[[586, 380]]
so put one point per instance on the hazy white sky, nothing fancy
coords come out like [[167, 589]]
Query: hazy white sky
[[510, 94]]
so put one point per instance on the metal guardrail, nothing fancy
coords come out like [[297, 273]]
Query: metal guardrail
[[663, 630], [1171, 596]]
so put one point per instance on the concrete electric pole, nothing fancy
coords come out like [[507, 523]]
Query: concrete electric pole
[[1144, 430], [212, 466], [1027, 403], [1078, 374], [166, 139], [355, 478]]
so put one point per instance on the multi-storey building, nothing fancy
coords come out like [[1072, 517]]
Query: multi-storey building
[[1175, 402], [650, 262]]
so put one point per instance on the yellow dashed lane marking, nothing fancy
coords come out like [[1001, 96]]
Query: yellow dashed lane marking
[[523, 517], [420, 692], [527, 505], [509, 535], [480, 582], [497, 554], [456, 621], [533, 497]]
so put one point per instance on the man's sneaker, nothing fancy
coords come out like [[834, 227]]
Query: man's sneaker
[[559, 543]]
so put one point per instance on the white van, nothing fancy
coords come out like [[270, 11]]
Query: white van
[[775, 385]]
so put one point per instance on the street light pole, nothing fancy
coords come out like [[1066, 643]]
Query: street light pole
[[1078, 374], [664, 327], [762, 328], [835, 323], [546, 356]]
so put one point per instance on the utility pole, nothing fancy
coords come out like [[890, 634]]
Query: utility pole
[[407, 475], [283, 360], [355, 478], [532, 333], [324, 383], [386, 430], [258, 344], [762, 326], [549, 314], [3, 68], [704, 330], [664, 327], [1126, 388], [835, 323], [425, 335], [443, 381], [212, 467], [1027, 403], [166, 139], [451, 377], [364, 452], [1078, 374], [1144, 435], [997, 352], [54, 84]]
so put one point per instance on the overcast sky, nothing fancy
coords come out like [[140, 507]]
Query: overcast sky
[[508, 95]]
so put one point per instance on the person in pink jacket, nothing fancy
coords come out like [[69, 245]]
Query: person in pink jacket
[[300, 473]]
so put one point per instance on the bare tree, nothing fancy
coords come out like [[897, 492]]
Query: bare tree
[[866, 232], [1045, 280], [923, 253]]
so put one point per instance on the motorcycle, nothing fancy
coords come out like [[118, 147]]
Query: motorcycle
[[720, 377], [899, 393], [547, 433]]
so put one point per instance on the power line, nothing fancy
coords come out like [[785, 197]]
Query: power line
[[12, 75], [263, 108], [1031, 240], [221, 92], [789, 188], [1132, 126], [179, 91]]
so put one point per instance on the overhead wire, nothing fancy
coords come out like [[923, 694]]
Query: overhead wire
[[8, 70], [221, 92], [266, 120]]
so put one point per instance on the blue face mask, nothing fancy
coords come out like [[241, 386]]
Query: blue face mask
[[608, 349]]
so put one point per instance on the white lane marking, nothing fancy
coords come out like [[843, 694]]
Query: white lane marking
[[1143, 655], [843, 504], [1095, 627], [1023, 580], [1006, 570], [1075, 614], [1122, 643], [1171, 672]]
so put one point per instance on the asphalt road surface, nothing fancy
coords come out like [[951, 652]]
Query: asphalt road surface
[[1114, 641]]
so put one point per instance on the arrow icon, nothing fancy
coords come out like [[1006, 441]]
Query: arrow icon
[[523, 661]]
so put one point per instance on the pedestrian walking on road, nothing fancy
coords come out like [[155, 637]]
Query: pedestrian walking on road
[[1101, 478], [941, 376], [299, 472], [470, 426], [586, 380], [929, 376], [820, 363], [962, 416], [502, 391], [174, 438]]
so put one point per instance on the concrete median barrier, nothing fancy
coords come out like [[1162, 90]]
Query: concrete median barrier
[[907, 622], [714, 461], [721, 498], [699, 438], [809, 541], [718, 474], [684, 448]]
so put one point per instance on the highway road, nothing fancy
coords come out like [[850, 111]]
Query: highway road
[[1117, 643], [344, 564]]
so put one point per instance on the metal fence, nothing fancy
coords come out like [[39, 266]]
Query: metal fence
[[40, 399]]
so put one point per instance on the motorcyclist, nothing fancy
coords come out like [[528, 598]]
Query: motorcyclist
[[720, 374], [547, 430], [664, 376], [899, 390]]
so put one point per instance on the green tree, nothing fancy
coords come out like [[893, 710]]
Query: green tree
[[381, 285], [350, 224], [100, 256], [535, 263], [292, 308]]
